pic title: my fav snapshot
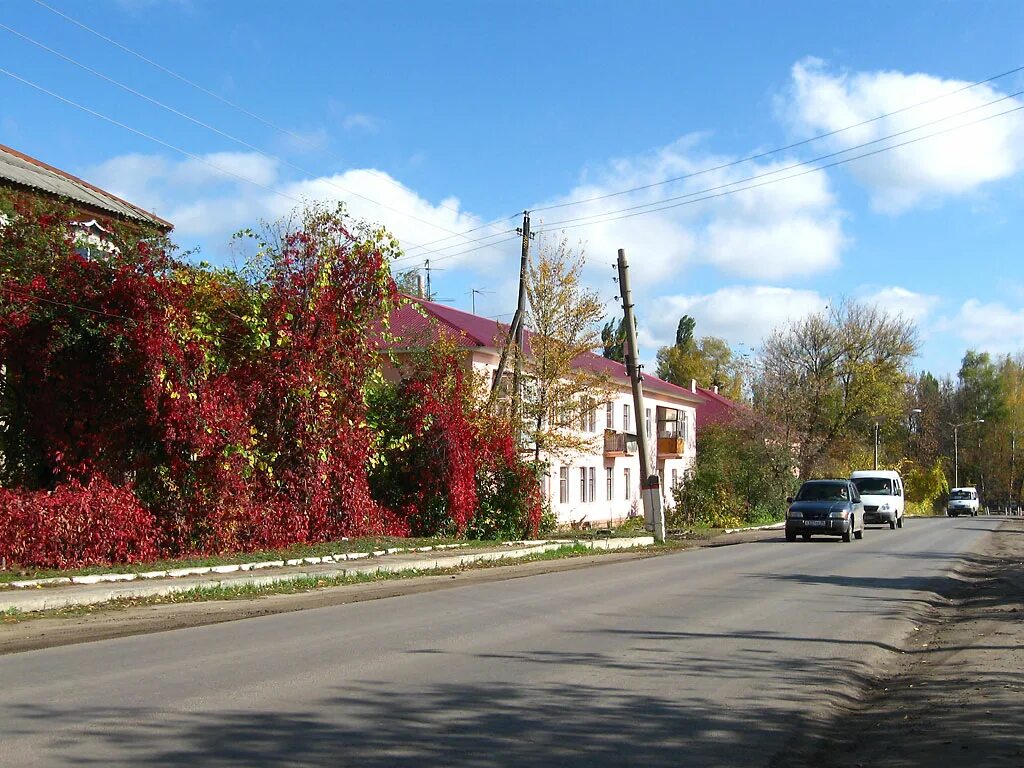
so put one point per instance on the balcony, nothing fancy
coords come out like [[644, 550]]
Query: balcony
[[671, 447], [619, 444]]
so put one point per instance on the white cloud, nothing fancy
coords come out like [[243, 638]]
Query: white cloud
[[230, 167], [361, 122], [900, 301], [207, 200], [954, 163], [790, 229], [991, 327], [739, 314]]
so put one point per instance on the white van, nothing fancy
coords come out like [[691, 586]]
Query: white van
[[882, 492], [962, 501]]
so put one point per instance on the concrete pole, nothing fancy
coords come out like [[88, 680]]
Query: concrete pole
[[650, 485], [956, 458], [876, 445]]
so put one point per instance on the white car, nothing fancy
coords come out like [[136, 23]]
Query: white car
[[962, 501], [882, 492]]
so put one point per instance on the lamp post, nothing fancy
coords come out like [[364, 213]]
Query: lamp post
[[956, 449], [878, 430]]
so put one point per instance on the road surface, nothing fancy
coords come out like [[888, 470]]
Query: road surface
[[715, 657]]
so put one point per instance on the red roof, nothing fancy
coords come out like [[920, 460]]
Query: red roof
[[717, 409], [408, 323]]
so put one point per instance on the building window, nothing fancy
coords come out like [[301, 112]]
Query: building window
[[627, 481], [592, 484], [583, 484], [609, 415], [563, 485], [686, 427], [675, 479], [609, 482], [647, 422], [591, 418], [625, 417]]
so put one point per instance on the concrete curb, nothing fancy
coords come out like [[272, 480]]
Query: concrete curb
[[177, 573], [94, 593], [772, 527]]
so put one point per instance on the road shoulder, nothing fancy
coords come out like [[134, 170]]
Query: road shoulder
[[955, 696]]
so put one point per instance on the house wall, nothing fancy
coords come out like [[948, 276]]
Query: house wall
[[598, 508]]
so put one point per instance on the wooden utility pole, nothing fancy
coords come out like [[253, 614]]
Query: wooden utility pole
[[650, 485], [426, 266]]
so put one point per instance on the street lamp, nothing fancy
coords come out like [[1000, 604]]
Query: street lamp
[[877, 430], [956, 449]]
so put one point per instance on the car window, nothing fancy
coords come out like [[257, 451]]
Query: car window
[[856, 496], [823, 492], [874, 486]]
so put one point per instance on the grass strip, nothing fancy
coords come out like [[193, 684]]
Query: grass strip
[[313, 583]]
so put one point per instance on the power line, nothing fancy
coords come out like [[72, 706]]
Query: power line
[[777, 150], [228, 136], [439, 250], [795, 175], [208, 92], [790, 167], [144, 135], [459, 253]]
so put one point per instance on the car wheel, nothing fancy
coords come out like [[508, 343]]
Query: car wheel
[[892, 525], [899, 521], [859, 534], [848, 533], [806, 536], [790, 536]]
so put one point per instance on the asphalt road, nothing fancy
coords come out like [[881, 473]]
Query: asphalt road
[[709, 657]]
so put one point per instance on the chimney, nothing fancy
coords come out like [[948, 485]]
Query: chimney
[[693, 386], [716, 389]]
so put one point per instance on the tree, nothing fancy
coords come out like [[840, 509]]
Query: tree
[[562, 317], [709, 361], [827, 378], [684, 331], [613, 339], [979, 396], [410, 282]]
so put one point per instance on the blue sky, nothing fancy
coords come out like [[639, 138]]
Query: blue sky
[[451, 114]]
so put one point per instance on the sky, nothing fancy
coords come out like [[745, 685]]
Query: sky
[[445, 120]]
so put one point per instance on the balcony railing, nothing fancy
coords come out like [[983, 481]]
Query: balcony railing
[[671, 447], [619, 444]]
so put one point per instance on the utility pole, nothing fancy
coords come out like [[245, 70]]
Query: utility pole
[[426, 267], [876, 445], [517, 376], [515, 330], [650, 485]]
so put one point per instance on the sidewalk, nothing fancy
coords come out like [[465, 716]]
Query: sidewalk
[[50, 597]]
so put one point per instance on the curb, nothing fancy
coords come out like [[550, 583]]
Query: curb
[[771, 527], [94, 593]]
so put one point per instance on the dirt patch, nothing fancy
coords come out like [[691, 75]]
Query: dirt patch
[[956, 694]]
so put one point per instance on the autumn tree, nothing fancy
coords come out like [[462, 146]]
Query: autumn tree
[[825, 379], [562, 318], [708, 360]]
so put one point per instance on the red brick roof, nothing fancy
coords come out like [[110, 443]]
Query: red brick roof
[[408, 323]]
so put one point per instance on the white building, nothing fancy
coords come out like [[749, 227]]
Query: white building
[[602, 484]]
